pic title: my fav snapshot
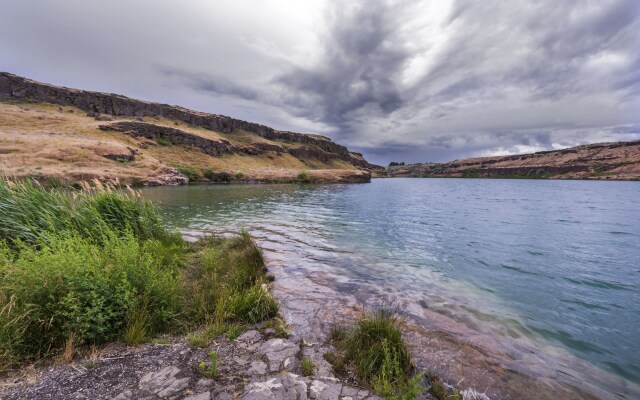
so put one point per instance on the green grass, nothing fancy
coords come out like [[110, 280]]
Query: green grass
[[164, 142], [84, 268], [30, 214], [226, 282], [307, 366], [378, 356]]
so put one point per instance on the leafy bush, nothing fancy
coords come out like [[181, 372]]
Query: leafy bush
[[71, 287], [89, 267]]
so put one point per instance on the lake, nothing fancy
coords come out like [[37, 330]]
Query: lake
[[549, 268]]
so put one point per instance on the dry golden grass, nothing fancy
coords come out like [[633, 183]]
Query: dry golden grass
[[49, 141]]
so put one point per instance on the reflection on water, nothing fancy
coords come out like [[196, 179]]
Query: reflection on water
[[544, 261]]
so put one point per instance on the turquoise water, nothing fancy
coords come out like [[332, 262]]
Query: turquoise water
[[551, 261]]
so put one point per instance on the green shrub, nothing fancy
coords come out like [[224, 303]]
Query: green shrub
[[93, 266], [71, 287], [213, 176], [191, 173], [304, 177]]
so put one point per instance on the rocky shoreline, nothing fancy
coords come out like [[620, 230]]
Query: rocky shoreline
[[254, 366]]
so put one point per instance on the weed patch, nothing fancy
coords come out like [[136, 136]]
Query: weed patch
[[377, 354], [307, 366]]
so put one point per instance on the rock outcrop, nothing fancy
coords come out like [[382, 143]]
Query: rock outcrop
[[109, 104], [616, 160]]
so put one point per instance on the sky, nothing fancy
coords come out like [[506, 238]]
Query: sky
[[398, 80]]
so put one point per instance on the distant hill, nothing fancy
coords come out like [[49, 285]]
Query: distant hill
[[616, 160], [52, 132]]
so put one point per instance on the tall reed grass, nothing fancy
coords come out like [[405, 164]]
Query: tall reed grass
[[31, 214]]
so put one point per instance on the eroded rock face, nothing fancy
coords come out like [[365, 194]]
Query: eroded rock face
[[174, 136], [109, 104]]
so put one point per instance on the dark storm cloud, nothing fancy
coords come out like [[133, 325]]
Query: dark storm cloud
[[359, 58], [396, 79]]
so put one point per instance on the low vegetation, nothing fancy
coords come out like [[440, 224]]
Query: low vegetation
[[374, 351], [210, 369], [81, 268], [304, 177], [307, 366]]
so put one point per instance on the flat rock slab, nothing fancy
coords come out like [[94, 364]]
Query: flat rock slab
[[279, 352], [163, 383], [290, 386], [282, 387]]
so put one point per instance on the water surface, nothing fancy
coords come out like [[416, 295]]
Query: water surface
[[534, 263]]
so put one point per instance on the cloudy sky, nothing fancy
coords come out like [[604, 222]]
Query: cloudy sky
[[398, 80]]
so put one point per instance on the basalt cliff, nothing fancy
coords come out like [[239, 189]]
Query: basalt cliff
[[614, 161], [53, 132]]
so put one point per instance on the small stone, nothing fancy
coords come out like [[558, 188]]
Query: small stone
[[250, 336]]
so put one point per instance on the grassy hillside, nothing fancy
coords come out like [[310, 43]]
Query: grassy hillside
[[43, 137]]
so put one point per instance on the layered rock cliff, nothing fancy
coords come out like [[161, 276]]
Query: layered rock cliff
[[616, 160], [242, 149], [16, 87]]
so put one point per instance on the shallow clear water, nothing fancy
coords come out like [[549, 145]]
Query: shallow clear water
[[551, 261]]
